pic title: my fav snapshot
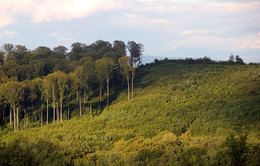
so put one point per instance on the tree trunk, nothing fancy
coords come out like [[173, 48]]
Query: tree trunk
[[27, 119], [90, 110], [128, 88], [84, 95], [47, 109], [24, 119], [11, 116], [107, 92], [61, 109], [58, 117], [17, 118], [68, 112], [14, 119], [133, 74], [53, 97], [41, 115], [79, 104], [77, 95], [100, 96]]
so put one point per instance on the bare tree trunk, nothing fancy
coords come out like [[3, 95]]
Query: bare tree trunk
[[27, 119], [47, 109], [90, 110], [24, 119], [53, 97], [57, 110], [87, 94], [128, 89], [61, 109], [79, 104], [84, 100], [17, 118], [100, 96], [11, 116], [41, 115], [107, 92], [14, 119], [68, 112], [133, 74], [77, 95]]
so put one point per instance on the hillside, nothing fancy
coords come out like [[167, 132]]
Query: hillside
[[180, 115]]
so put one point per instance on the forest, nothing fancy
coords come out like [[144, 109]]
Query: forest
[[98, 105]]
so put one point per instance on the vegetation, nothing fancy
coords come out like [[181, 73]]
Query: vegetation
[[185, 112]]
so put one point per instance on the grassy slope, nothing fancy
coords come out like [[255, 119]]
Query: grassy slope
[[204, 100]]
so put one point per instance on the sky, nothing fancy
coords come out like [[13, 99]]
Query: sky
[[166, 28]]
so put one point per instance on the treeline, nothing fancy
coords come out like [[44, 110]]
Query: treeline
[[205, 60], [32, 82]]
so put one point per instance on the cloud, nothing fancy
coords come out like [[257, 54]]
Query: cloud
[[61, 38], [167, 24], [10, 34], [195, 32]]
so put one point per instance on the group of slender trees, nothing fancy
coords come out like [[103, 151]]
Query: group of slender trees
[[45, 79]]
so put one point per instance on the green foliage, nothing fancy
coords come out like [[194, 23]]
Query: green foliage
[[180, 116]]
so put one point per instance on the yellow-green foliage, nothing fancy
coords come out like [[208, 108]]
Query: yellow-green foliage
[[180, 115]]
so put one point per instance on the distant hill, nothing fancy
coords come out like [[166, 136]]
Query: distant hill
[[180, 115], [148, 58]]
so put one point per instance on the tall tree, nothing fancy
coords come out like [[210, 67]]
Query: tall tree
[[80, 75], [101, 76], [39, 91], [8, 50], [136, 51], [47, 86], [62, 84], [72, 87], [125, 68], [53, 81], [108, 66], [12, 92], [89, 76]]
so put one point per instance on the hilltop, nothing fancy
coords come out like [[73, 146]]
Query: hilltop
[[181, 114]]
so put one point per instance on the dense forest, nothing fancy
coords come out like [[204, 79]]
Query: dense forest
[[45, 78], [95, 105]]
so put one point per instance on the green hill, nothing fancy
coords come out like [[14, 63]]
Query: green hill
[[180, 115]]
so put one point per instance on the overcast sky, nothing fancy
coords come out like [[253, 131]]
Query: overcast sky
[[168, 28]]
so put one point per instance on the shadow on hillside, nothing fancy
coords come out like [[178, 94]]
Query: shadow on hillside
[[141, 72]]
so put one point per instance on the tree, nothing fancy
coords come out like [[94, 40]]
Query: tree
[[53, 78], [22, 55], [39, 90], [88, 74], [41, 52], [239, 60], [136, 51], [2, 58], [231, 59], [8, 50], [101, 77], [125, 68], [12, 92], [61, 51], [119, 48], [47, 84], [108, 67], [62, 84], [80, 75], [73, 83]]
